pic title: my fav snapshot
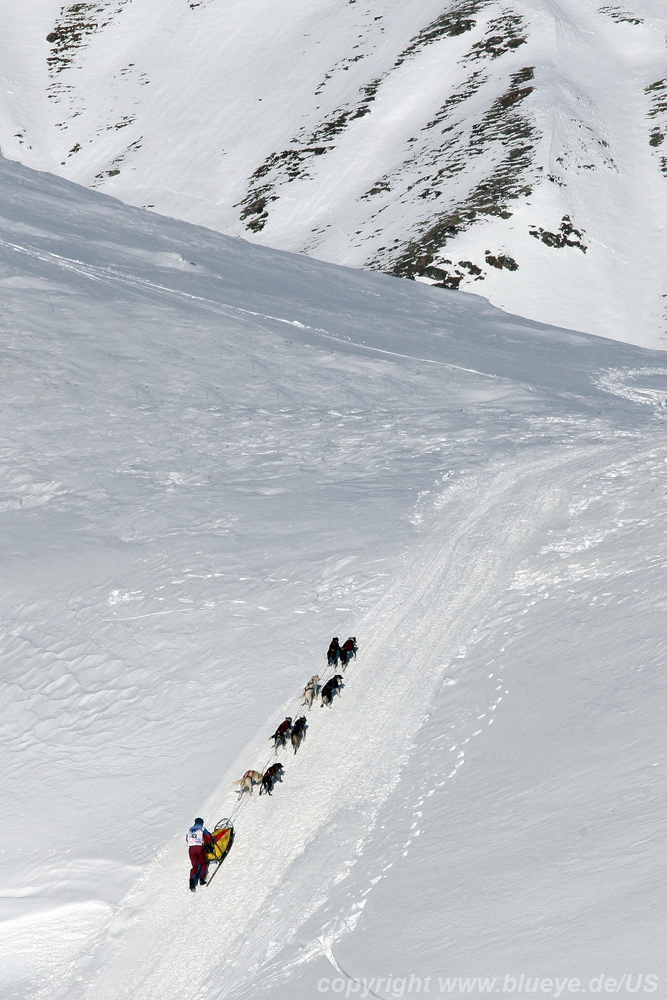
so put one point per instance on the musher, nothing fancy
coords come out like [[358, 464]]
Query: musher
[[198, 838]]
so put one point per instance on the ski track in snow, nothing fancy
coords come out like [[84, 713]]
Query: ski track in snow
[[349, 763]]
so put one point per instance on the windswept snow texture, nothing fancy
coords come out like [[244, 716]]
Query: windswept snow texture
[[513, 148], [217, 456]]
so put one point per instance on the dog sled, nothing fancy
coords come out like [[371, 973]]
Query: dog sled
[[220, 846]]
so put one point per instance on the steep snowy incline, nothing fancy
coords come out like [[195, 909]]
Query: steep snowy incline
[[525, 836], [216, 456], [510, 148], [353, 757]]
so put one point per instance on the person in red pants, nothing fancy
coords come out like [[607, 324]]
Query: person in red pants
[[198, 838]]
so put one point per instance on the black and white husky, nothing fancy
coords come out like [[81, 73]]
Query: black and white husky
[[330, 689]]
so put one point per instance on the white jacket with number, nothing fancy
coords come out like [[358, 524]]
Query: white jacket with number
[[195, 836]]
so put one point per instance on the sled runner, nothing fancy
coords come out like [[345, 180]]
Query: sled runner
[[220, 846]]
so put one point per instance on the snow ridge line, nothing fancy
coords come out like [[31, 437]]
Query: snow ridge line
[[97, 273]]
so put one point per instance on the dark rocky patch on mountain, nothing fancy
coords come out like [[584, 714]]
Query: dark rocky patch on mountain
[[456, 21], [513, 135], [566, 236], [287, 165], [622, 16], [503, 34], [501, 261], [657, 92], [74, 26]]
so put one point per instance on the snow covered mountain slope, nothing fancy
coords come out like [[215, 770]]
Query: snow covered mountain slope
[[216, 456], [509, 147]]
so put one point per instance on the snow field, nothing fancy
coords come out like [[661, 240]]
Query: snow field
[[521, 835], [349, 764], [209, 468]]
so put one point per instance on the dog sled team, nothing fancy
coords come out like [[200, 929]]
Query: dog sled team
[[205, 847], [295, 731]]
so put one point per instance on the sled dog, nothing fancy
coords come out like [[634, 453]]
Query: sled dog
[[311, 690], [330, 689], [281, 734], [298, 733], [347, 651], [249, 779], [333, 652], [269, 778]]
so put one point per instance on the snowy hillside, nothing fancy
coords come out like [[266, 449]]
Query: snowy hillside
[[514, 148], [215, 457]]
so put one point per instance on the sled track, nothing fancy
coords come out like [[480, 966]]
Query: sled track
[[291, 847]]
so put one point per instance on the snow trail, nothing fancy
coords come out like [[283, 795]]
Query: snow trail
[[300, 840]]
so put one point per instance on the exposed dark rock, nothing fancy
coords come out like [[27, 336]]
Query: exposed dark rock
[[567, 236], [257, 211], [74, 26], [456, 21], [502, 126], [657, 92], [123, 123], [503, 34], [470, 87], [378, 188], [620, 15], [117, 162], [291, 163], [472, 269], [501, 261], [441, 277], [444, 277]]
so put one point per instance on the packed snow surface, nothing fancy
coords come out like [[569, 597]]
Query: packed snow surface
[[215, 457], [513, 148]]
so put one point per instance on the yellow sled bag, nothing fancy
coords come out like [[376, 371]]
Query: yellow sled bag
[[223, 837]]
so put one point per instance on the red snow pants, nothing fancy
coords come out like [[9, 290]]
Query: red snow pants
[[199, 862]]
